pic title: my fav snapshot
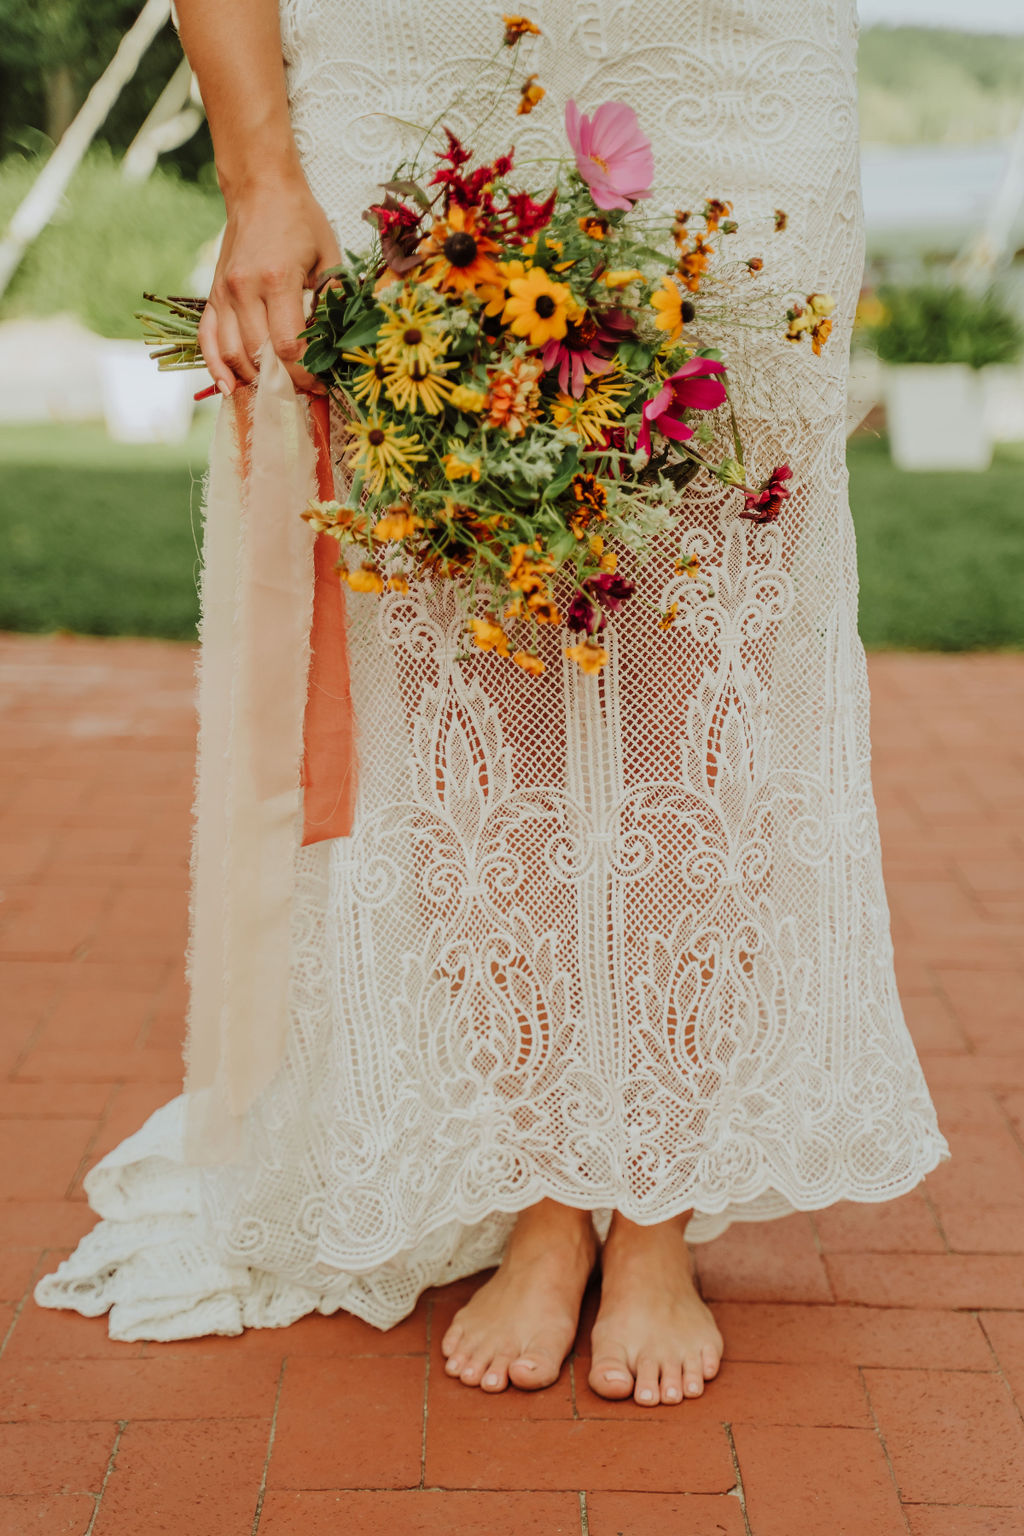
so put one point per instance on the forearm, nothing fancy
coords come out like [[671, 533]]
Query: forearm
[[234, 47]]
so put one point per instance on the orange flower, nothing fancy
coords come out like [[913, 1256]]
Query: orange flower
[[543, 609], [489, 635], [398, 584], [781, 220], [530, 93], [755, 263], [594, 225], [364, 579], [714, 212], [529, 662], [588, 657], [693, 264], [688, 565], [819, 335], [459, 257], [514, 395], [398, 522], [517, 27], [668, 618]]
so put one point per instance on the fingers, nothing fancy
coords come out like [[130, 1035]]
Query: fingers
[[230, 345], [285, 319], [209, 346]]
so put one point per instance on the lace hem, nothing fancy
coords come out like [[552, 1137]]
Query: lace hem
[[154, 1262]]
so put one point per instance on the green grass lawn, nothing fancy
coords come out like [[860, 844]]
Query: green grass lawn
[[101, 538]]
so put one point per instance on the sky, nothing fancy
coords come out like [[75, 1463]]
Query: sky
[[977, 16]]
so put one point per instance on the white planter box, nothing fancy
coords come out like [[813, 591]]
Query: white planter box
[[1003, 386], [141, 404], [937, 417]]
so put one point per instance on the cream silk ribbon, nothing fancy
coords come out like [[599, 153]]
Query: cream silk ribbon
[[254, 673]]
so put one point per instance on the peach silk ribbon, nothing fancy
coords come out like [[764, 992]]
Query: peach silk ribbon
[[276, 742]]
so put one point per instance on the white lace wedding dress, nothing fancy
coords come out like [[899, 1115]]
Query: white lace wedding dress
[[619, 941]]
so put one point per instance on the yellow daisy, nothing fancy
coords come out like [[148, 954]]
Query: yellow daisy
[[411, 336], [672, 311], [384, 453], [596, 410], [369, 382], [537, 308], [411, 387]]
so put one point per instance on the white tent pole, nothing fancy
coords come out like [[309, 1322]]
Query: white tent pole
[[40, 203]]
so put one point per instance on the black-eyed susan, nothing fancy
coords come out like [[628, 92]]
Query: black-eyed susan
[[538, 308], [412, 334], [671, 310], [411, 387], [596, 411], [368, 384], [384, 453], [459, 256]]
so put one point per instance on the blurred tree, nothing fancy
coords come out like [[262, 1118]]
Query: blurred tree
[[51, 51]]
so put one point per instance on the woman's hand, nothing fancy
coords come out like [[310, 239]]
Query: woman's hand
[[277, 242]]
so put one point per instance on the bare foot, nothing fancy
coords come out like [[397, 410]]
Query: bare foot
[[653, 1337], [520, 1325]]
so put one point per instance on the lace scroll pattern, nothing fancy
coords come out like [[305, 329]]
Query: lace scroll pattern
[[620, 941]]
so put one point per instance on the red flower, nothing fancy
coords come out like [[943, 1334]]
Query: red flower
[[764, 506], [601, 595], [691, 387], [528, 216]]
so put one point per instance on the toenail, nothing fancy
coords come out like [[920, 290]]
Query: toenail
[[490, 1380], [646, 1395], [616, 1376], [693, 1386], [671, 1394]]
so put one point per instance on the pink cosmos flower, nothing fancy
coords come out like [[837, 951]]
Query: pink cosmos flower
[[693, 387], [612, 155]]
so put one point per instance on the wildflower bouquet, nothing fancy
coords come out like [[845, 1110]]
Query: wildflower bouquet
[[521, 382]]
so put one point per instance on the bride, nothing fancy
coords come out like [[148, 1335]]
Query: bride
[[603, 957]]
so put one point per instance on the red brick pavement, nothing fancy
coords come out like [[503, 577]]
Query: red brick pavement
[[875, 1372]]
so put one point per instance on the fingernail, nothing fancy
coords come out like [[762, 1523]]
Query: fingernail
[[225, 389]]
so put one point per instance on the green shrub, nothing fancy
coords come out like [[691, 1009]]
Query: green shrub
[[929, 323], [108, 241]]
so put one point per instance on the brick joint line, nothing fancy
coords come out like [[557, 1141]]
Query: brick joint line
[[261, 1495]]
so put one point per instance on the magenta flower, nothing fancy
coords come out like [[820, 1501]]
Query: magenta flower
[[691, 387], [612, 155], [765, 505], [588, 347]]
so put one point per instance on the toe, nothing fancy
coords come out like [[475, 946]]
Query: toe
[[534, 1369], [453, 1365], [671, 1382], [450, 1342], [472, 1372], [693, 1376], [495, 1378], [646, 1392], [711, 1360], [610, 1375]]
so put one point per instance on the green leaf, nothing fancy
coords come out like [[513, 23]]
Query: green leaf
[[362, 332]]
